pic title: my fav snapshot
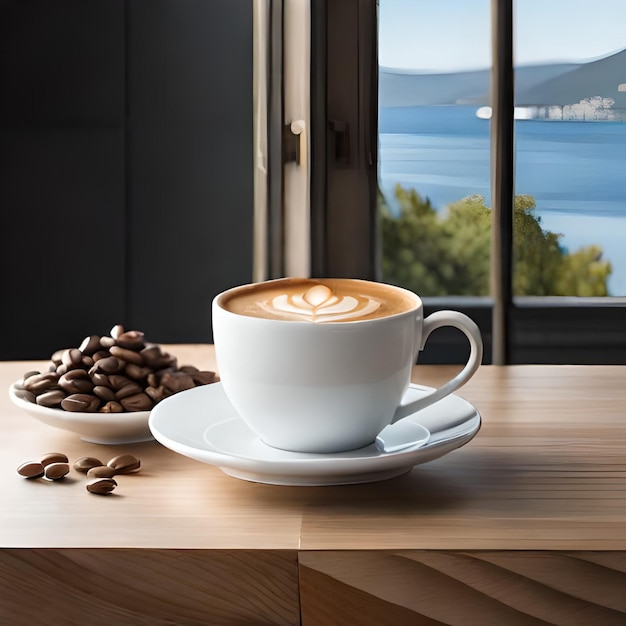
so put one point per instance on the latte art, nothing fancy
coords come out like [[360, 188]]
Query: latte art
[[320, 304], [318, 301]]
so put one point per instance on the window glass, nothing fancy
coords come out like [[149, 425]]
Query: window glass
[[570, 128], [434, 159]]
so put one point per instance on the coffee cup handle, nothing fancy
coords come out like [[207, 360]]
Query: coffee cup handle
[[469, 328]]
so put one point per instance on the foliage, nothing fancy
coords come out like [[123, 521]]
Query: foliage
[[439, 254]]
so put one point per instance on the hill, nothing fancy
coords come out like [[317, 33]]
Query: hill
[[535, 85]]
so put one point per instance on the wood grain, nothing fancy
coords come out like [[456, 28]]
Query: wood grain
[[461, 588], [148, 587]]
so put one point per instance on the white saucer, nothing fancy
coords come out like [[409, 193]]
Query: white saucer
[[201, 423]]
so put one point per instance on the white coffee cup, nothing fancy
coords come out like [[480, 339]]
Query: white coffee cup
[[306, 373]]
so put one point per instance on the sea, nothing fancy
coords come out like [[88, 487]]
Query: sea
[[575, 170]]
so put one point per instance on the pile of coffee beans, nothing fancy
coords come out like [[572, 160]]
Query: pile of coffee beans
[[114, 373], [55, 466]]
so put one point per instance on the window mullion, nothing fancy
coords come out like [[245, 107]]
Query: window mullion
[[502, 175]]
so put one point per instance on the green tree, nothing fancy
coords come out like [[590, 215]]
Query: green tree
[[448, 254]]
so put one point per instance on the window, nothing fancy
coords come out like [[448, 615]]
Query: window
[[532, 328]]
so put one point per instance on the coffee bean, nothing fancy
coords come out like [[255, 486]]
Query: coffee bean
[[56, 357], [117, 381], [31, 469], [129, 389], [90, 345], [53, 457], [76, 381], [138, 402], [107, 342], [133, 340], [99, 379], [101, 354], [105, 393], [85, 463], [112, 406], [136, 372], [61, 369], [116, 331], [177, 381], [71, 357], [151, 355], [87, 362], [23, 394], [101, 486], [155, 393], [51, 399], [126, 355], [109, 365], [124, 463], [41, 382], [56, 471], [29, 374], [101, 471], [203, 378], [81, 402]]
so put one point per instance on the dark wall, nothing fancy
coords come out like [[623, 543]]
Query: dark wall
[[125, 167]]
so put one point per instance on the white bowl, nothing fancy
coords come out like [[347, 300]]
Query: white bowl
[[105, 428]]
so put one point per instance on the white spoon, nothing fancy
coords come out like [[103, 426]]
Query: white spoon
[[402, 434]]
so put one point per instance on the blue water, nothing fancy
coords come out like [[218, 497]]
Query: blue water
[[576, 171]]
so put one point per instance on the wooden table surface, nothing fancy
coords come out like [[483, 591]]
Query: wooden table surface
[[526, 524]]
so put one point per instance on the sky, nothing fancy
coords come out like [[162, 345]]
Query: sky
[[449, 35]]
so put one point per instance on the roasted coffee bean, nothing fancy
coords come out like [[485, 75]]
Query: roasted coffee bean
[[56, 357], [117, 381], [105, 393], [126, 355], [138, 402], [133, 340], [107, 342], [116, 331], [152, 355], [85, 463], [72, 357], [99, 379], [29, 374], [188, 369], [53, 457], [155, 393], [177, 381], [90, 345], [124, 463], [203, 378], [112, 406], [61, 369], [26, 395], [56, 471], [130, 389], [109, 365], [101, 354], [31, 469], [101, 471], [101, 486], [42, 382], [76, 381], [81, 402], [136, 372], [51, 399], [87, 362]]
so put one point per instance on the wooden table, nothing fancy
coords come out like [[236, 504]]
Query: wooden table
[[524, 525]]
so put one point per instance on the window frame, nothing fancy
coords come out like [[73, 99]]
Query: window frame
[[515, 329]]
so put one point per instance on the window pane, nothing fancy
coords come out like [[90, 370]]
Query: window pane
[[434, 161], [570, 148]]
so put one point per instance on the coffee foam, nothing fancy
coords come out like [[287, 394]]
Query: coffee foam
[[318, 301]]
